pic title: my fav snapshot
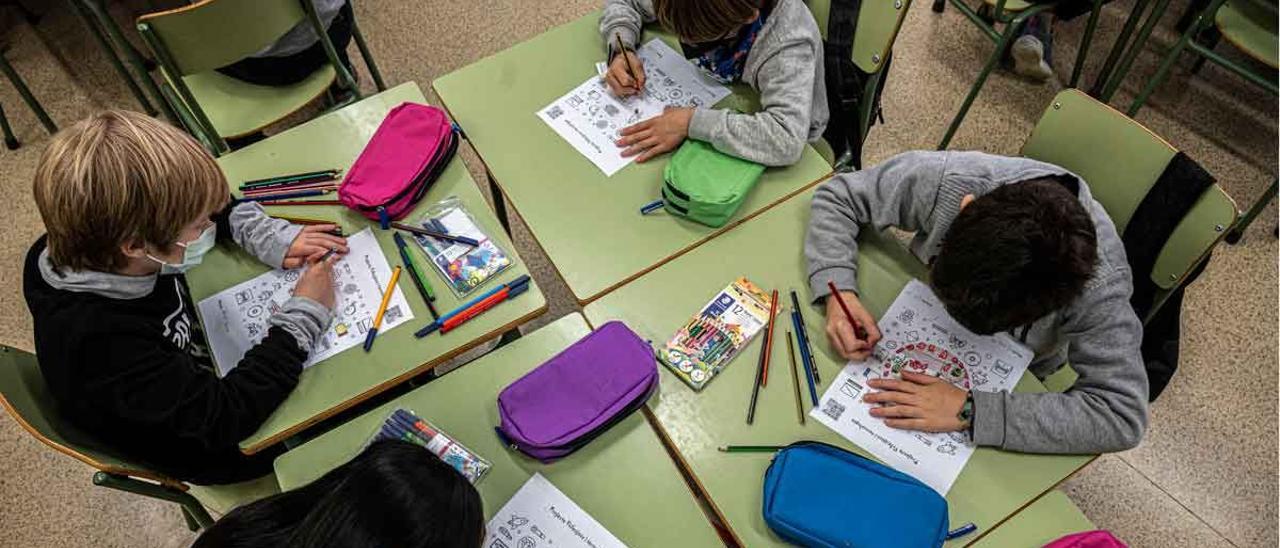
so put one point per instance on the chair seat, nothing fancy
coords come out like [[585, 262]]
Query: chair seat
[[220, 499], [1250, 25], [237, 108], [1012, 6]]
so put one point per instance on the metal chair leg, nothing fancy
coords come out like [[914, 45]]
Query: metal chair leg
[[1169, 59], [368, 57], [1117, 48], [1085, 42], [1211, 40], [1011, 29], [1139, 42], [10, 141], [95, 8], [1245, 220], [30, 99], [190, 505], [939, 6], [105, 46]]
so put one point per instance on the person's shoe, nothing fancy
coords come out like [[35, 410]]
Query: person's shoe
[[1029, 58]]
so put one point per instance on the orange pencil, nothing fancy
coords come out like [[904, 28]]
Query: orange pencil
[[382, 308]]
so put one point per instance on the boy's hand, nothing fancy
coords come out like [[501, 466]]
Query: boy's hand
[[620, 82], [316, 282], [919, 402], [656, 135], [313, 240], [850, 342]]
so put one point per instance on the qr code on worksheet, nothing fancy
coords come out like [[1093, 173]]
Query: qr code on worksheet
[[833, 409], [555, 112]]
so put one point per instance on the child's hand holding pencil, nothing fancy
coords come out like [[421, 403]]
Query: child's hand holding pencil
[[313, 240], [850, 328]]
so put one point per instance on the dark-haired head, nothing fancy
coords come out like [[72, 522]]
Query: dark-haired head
[[1014, 255], [392, 494], [701, 21]]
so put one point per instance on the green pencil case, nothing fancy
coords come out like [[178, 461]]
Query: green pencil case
[[705, 185]]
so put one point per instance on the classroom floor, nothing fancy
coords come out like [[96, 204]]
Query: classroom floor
[[1204, 476]]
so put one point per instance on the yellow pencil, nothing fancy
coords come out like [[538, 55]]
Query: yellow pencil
[[382, 309]]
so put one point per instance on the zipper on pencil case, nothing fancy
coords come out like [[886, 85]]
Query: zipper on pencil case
[[424, 176]]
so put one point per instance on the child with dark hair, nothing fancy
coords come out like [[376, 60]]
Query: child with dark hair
[[1014, 245], [772, 45], [394, 493]]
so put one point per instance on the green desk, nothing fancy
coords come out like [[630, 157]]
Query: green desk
[[624, 479], [589, 225], [767, 250], [1050, 518], [334, 140]]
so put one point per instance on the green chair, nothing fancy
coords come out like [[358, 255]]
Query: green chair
[[24, 396], [877, 29], [1121, 160], [10, 141], [1013, 14], [192, 41], [1250, 26], [1049, 518]]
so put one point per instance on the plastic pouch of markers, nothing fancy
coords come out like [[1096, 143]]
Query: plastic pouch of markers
[[404, 425], [463, 267]]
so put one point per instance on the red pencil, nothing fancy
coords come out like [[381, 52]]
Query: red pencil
[[857, 327], [276, 190], [475, 310], [768, 337], [299, 202]]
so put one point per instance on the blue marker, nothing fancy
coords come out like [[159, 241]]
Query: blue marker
[[433, 326], [804, 357], [962, 531], [651, 207]]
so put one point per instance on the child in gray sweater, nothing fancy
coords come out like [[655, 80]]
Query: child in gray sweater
[[1013, 245], [772, 45]]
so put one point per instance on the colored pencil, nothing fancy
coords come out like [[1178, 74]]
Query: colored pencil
[[331, 173], [768, 337], [522, 280], [418, 282], [795, 376], [299, 202], [293, 183], [755, 385], [802, 339], [435, 234], [623, 52], [804, 359], [304, 220], [749, 448], [857, 327], [285, 195], [290, 188], [382, 309], [507, 293]]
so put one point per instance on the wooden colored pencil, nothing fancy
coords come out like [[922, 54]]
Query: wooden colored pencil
[[795, 376], [299, 202], [750, 448], [768, 338]]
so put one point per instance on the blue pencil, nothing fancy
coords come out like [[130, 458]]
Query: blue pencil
[[286, 195], [805, 359], [803, 337], [433, 326]]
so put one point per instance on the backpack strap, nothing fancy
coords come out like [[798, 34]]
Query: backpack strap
[[844, 80]]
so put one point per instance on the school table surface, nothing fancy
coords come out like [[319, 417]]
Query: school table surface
[[624, 478], [588, 224], [333, 141], [767, 250]]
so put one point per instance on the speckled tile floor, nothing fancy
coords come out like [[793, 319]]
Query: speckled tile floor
[[1205, 475]]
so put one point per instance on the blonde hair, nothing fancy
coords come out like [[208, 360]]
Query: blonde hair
[[119, 177], [704, 20]]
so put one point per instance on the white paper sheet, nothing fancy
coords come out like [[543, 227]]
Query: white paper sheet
[[589, 117], [540, 516], [918, 335], [235, 319]]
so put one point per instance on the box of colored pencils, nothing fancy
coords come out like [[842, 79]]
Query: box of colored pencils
[[404, 425], [711, 339]]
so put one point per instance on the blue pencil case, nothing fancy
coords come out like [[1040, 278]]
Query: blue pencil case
[[820, 495]]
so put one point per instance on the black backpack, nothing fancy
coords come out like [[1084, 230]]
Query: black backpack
[[850, 90]]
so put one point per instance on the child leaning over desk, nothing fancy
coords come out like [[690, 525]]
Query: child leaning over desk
[[1013, 245], [772, 45], [130, 204]]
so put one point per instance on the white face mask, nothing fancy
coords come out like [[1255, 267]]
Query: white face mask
[[193, 252]]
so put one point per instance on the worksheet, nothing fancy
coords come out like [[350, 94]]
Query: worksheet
[[540, 516], [235, 319], [918, 335], [590, 117]]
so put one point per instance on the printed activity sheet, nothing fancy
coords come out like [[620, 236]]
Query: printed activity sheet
[[235, 319], [540, 516], [589, 117], [918, 335]]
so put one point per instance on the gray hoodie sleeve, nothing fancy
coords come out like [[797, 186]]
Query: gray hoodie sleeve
[[777, 134], [901, 192], [303, 318], [1105, 410], [625, 19], [262, 236]]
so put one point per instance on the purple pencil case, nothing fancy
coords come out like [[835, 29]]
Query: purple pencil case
[[577, 395]]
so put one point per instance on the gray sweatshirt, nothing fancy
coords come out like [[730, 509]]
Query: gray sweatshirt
[[262, 236], [784, 66], [1099, 334]]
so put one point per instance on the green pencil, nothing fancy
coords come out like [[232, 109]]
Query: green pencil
[[750, 448]]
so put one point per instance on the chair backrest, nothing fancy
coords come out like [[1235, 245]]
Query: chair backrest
[[1251, 26], [878, 24], [215, 33], [24, 396], [1121, 160]]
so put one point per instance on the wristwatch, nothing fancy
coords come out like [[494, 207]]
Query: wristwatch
[[966, 413]]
